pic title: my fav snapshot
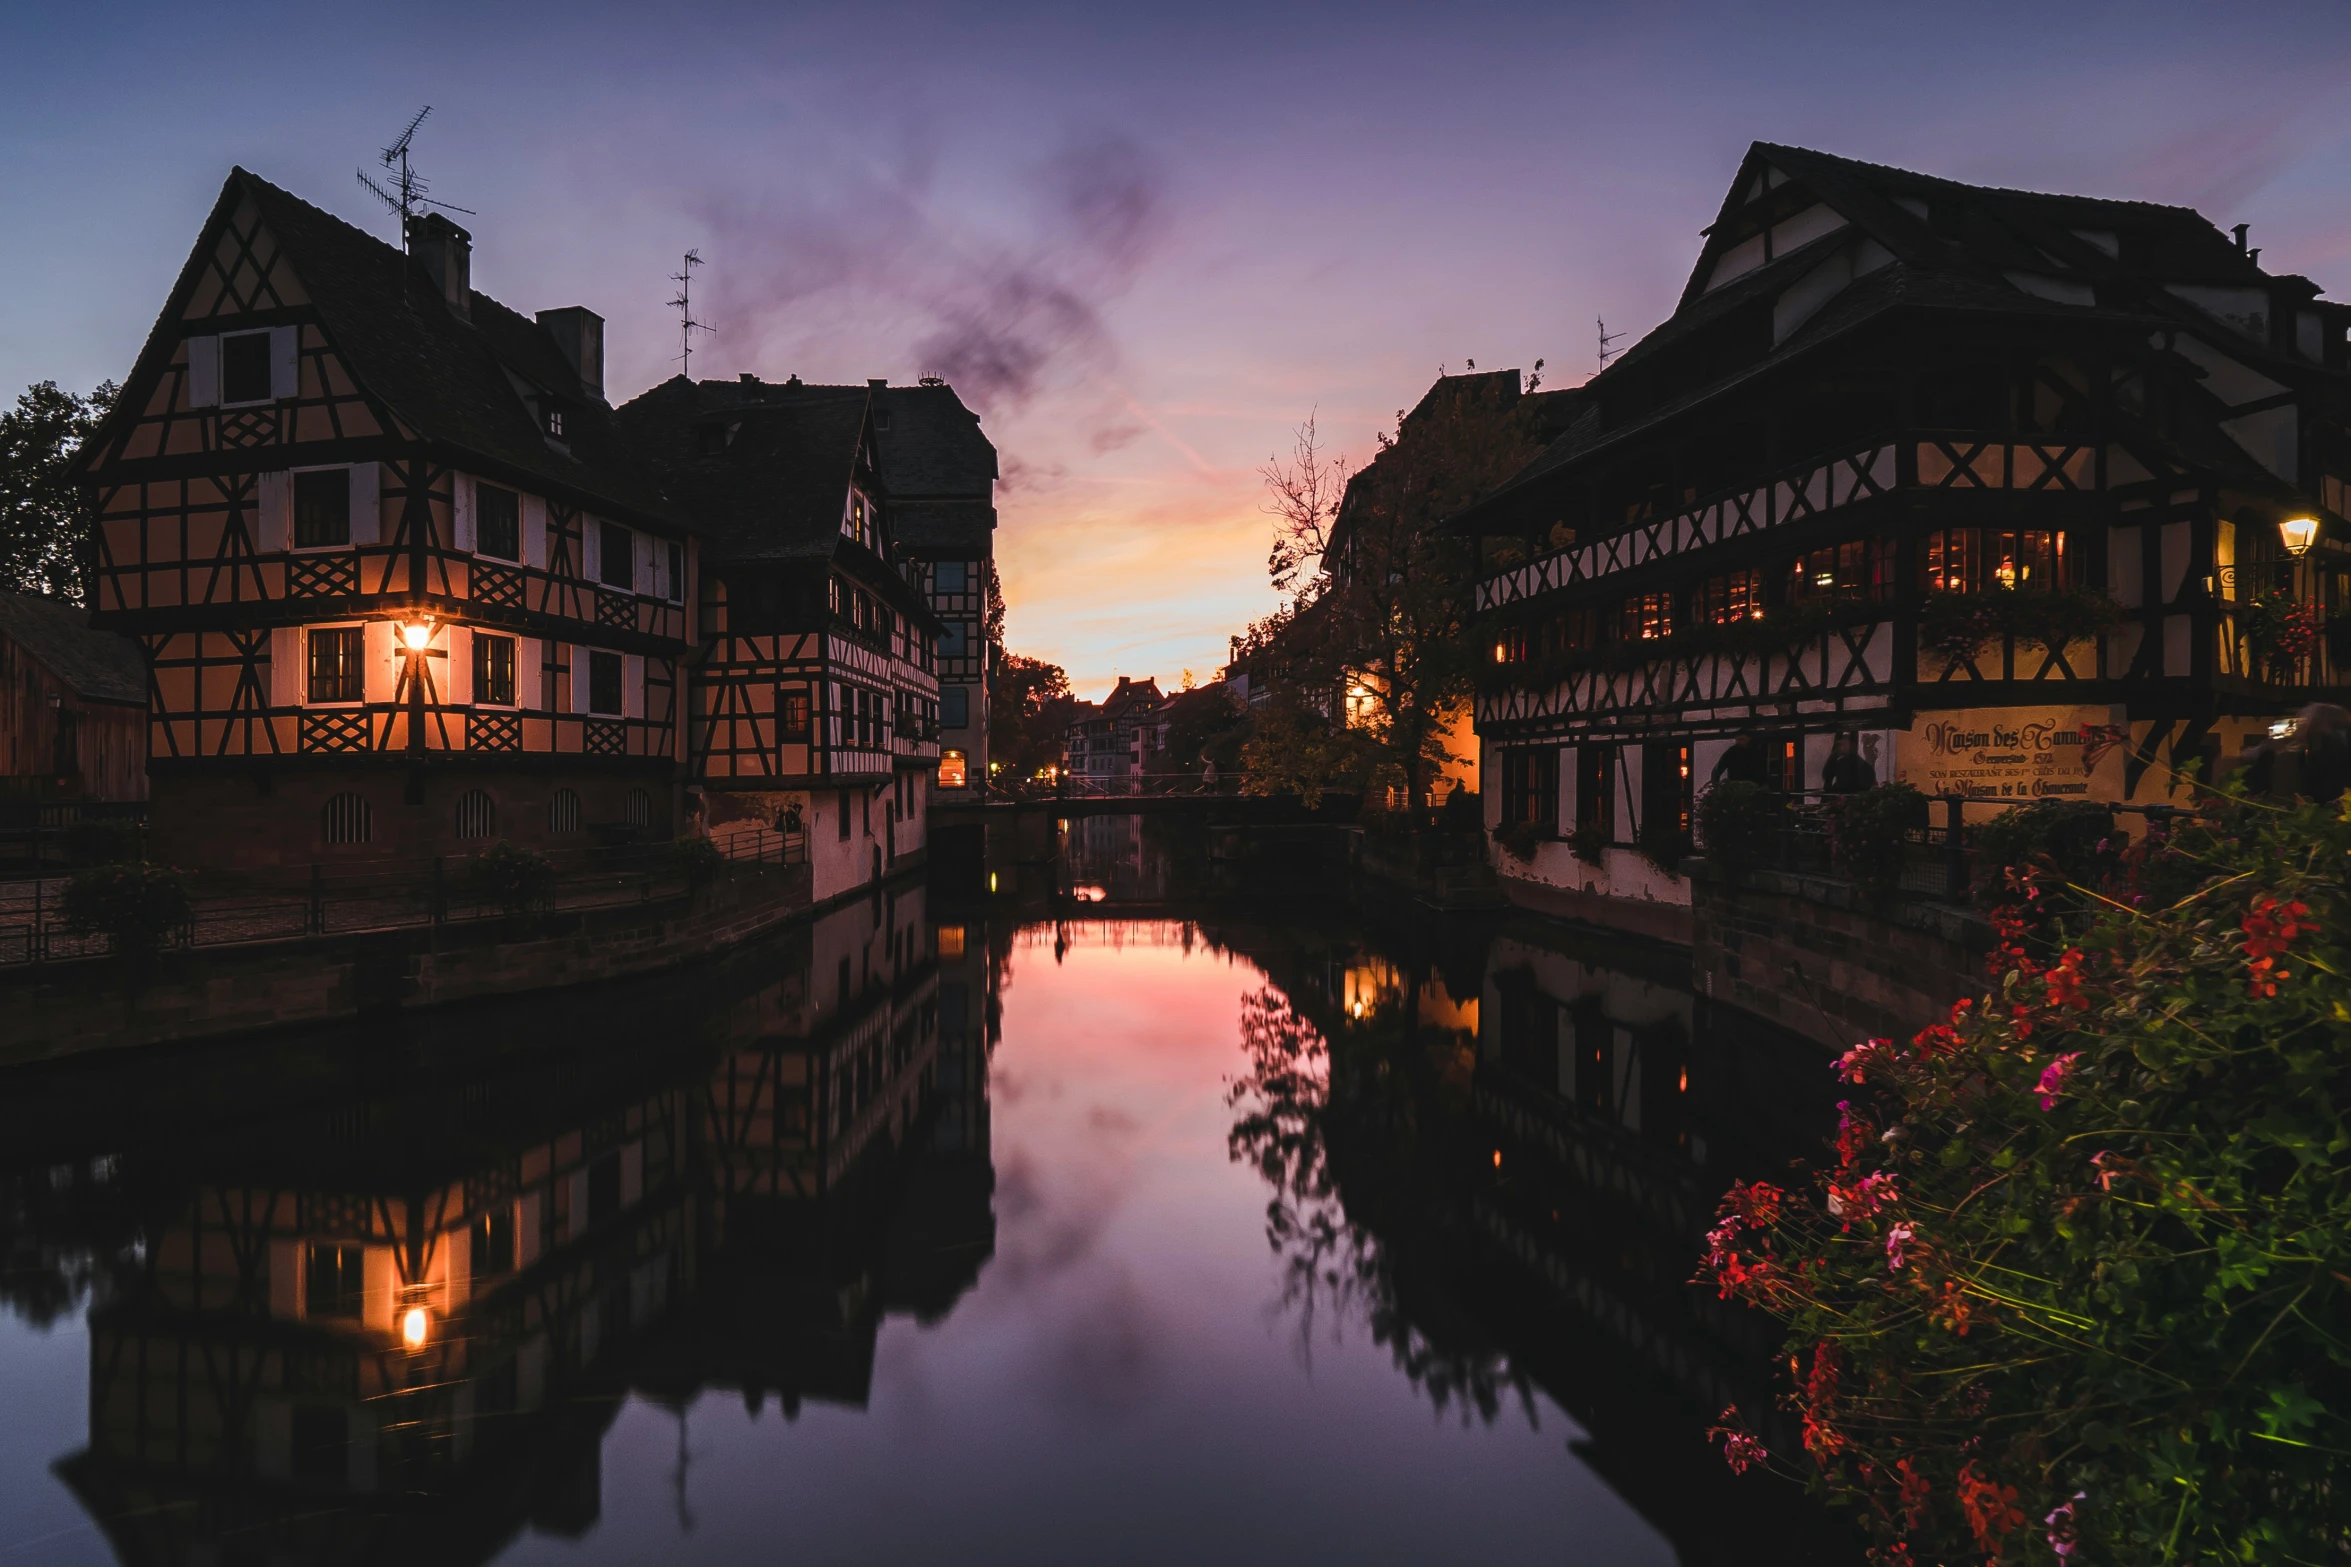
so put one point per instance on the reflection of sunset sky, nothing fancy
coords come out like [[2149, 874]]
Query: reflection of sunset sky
[[1121, 1384], [1144, 240]]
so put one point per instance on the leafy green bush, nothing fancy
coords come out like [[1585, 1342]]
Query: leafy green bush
[[2077, 1278], [1869, 835], [1520, 840], [1958, 626], [103, 841], [1588, 843], [513, 879], [2072, 840], [1736, 822], [136, 907]]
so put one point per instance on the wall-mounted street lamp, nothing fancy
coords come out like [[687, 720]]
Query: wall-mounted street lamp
[[417, 635], [416, 1325], [2299, 533]]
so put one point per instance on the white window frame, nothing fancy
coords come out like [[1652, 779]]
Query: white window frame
[[366, 503], [472, 691], [221, 370], [302, 663]]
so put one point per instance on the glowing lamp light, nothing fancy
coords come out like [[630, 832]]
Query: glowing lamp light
[[418, 634], [416, 1325], [1501, 653], [2299, 533], [1824, 579]]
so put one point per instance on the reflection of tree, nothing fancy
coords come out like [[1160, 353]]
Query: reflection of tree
[[1351, 1134]]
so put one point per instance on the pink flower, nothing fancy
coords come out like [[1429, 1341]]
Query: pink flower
[[2053, 1078], [1854, 1063], [1740, 1449], [1899, 1236], [2064, 1537]]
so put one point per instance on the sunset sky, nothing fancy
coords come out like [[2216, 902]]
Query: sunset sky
[[1143, 242]]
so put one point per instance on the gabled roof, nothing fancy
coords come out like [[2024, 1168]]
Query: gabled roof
[[97, 666], [779, 487], [450, 379], [1817, 247]]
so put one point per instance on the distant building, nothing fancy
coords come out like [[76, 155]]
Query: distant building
[[2004, 495], [1116, 739], [73, 706]]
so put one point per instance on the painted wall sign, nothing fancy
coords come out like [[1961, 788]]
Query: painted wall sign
[[2017, 753]]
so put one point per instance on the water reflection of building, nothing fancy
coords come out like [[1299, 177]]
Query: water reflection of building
[[386, 1331], [1528, 1131]]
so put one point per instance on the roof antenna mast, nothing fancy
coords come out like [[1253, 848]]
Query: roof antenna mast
[[684, 306], [402, 188], [1606, 337]]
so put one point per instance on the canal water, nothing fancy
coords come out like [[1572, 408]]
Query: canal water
[[1111, 1209]]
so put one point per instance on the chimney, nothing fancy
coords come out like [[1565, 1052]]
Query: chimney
[[879, 383], [446, 252], [579, 332]]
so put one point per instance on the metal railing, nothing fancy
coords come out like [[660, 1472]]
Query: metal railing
[[401, 894]]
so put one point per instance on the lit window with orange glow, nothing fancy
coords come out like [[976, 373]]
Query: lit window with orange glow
[[951, 770], [950, 943]]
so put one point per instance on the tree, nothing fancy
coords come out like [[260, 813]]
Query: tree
[[45, 525], [1303, 497], [1382, 638], [1029, 708]]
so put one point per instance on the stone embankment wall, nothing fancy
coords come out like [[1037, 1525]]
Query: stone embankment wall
[[72, 1008], [1806, 953]]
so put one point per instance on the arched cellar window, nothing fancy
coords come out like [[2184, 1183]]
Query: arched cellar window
[[477, 815], [347, 818], [563, 816], [640, 808]]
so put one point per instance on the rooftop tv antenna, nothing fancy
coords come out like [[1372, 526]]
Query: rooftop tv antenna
[[684, 306], [402, 188], [1606, 337]]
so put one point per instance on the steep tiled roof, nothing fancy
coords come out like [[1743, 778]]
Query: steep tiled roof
[[776, 490], [97, 666], [451, 379]]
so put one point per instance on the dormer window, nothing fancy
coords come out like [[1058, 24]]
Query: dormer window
[[554, 422]]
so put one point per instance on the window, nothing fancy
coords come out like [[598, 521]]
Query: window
[[1595, 790], [948, 577], [1511, 643], [640, 808], [604, 682], [616, 565], [1734, 596], [1646, 617], [322, 508], [497, 522], [1530, 787], [555, 421], [335, 1281], [953, 639], [477, 814], [844, 839], [493, 669], [955, 706], [563, 812], [244, 368], [1666, 790], [792, 715], [676, 582], [347, 818], [1982, 560], [1855, 571], [337, 663], [493, 1243]]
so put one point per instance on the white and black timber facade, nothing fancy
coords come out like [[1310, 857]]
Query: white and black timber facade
[[1992, 482]]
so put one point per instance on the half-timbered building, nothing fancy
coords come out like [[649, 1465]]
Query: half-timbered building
[[398, 582], [2024, 496], [816, 696]]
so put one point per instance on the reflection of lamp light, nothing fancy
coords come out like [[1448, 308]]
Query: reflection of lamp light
[[415, 1325], [1501, 655], [418, 634], [1824, 579], [2299, 533], [2006, 572]]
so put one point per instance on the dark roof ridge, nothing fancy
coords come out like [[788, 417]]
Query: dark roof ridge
[[1783, 151]]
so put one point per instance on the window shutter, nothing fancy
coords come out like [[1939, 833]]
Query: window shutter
[[271, 532], [591, 550], [381, 661], [366, 503], [456, 677], [285, 666], [645, 577], [285, 361], [534, 532], [632, 685], [579, 678], [203, 372], [461, 522]]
